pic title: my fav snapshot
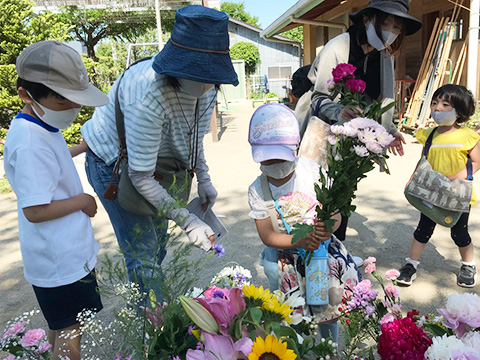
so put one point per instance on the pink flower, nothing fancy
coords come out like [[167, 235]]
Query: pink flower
[[44, 347], [9, 357], [332, 139], [401, 339], [220, 347], [392, 291], [356, 86], [337, 129], [17, 328], [32, 337], [224, 309], [392, 274], [369, 260], [342, 72], [330, 84], [214, 291], [397, 309], [388, 317], [461, 310], [370, 268], [374, 147]]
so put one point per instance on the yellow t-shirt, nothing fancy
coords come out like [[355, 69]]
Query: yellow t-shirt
[[448, 153]]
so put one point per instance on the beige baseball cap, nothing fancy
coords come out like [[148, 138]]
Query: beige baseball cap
[[60, 68]]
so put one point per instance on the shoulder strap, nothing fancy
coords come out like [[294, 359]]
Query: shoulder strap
[[119, 119], [269, 203], [428, 144]]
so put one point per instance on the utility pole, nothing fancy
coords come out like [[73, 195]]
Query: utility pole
[[159, 24]]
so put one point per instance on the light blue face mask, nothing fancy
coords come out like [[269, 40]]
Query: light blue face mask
[[445, 118]]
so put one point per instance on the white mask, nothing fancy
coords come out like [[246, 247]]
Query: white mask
[[58, 119], [278, 170], [445, 118], [374, 40], [194, 88]]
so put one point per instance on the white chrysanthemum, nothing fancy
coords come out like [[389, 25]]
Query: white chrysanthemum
[[442, 348], [383, 138], [337, 129], [332, 139], [360, 150]]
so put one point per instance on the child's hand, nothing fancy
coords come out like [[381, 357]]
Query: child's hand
[[90, 207], [321, 232], [310, 242]]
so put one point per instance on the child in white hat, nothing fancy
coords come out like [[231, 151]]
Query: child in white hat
[[283, 196], [58, 248]]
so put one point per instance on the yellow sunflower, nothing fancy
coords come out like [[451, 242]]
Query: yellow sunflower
[[274, 306], [270, 349], [257, 293]]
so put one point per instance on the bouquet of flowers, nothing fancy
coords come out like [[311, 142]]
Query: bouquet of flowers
[[249, 321], [21, 342]]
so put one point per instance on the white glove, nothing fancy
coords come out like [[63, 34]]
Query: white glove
[[207, 193], [198, 232]]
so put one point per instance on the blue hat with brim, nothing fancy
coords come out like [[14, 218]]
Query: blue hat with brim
[[198, 49]]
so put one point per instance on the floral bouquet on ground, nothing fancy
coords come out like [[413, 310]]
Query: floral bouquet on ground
[[246, 321], [23, 343]]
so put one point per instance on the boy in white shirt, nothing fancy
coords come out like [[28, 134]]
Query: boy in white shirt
[[56, 238]]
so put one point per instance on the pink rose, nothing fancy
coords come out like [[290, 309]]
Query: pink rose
[[32, 337], [356, 86], [369, 260], [392, 291], [44, 347], [370, 268], [392, 274], [342, 72]]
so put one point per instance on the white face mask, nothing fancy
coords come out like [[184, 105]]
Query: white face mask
[[445, 118], [194, 88], [374, 40], [278, 170], [58, 119]]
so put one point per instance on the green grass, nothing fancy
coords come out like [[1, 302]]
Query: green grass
[[4, 186]]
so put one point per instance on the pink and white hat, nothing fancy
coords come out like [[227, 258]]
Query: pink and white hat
[[274, 133]]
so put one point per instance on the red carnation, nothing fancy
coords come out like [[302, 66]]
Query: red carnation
[[401, 339]]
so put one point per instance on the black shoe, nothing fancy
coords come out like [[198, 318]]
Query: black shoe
[[466, 276], [408, 273]]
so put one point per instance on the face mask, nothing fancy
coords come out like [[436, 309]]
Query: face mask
[[445, 118], [278, 170], [375, 41], [194, 88], [58, 119]]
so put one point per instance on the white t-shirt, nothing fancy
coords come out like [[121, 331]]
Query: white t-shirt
[[296, 198], [40, 169]]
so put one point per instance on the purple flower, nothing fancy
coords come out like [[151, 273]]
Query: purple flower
[[219, 250], [369, 309], [362, 294], [176, 358], [190, 328], [44, 347], [9, 357], [218, 294], [240, 278]]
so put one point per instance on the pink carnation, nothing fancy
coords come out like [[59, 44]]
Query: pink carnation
[[9, 357], [369, 260], [44, 347], [401, 339], [342, 72], [388, 317], [32, 337], [397, 309], [392, 291], [370, 268], [392, 274], [17, 328], [356, 86]]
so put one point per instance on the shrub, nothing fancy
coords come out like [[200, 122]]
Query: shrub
[[72, 134], [247, 52], [10, 103]]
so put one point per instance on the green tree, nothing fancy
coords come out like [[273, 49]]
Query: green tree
[[19, 27], [237, 11], [249, 53], [91, 26], [295, 34]]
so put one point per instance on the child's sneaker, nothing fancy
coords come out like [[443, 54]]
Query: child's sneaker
[[408, 273], [466, 276]]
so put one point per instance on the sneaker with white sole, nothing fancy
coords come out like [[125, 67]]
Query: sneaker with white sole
[[466, 276], [408, 273], [357, 260]]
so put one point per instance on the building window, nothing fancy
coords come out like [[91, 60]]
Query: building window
[[279, 72]]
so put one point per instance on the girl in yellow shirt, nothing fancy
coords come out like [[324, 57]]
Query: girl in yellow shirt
[[451, 106]]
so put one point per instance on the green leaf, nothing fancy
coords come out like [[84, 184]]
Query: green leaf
[[300, 231], [256, 315]]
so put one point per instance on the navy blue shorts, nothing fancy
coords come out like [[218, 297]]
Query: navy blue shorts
[[61, 305]]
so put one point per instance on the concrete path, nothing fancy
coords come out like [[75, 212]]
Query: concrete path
[[382, 225]]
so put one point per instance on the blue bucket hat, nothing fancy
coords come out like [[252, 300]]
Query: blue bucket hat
[[198, 49]]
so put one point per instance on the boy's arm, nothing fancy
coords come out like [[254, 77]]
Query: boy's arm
[[59, 208], [474, 154]]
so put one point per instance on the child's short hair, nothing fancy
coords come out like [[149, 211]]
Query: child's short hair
[[37, 90], [461, 99]]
